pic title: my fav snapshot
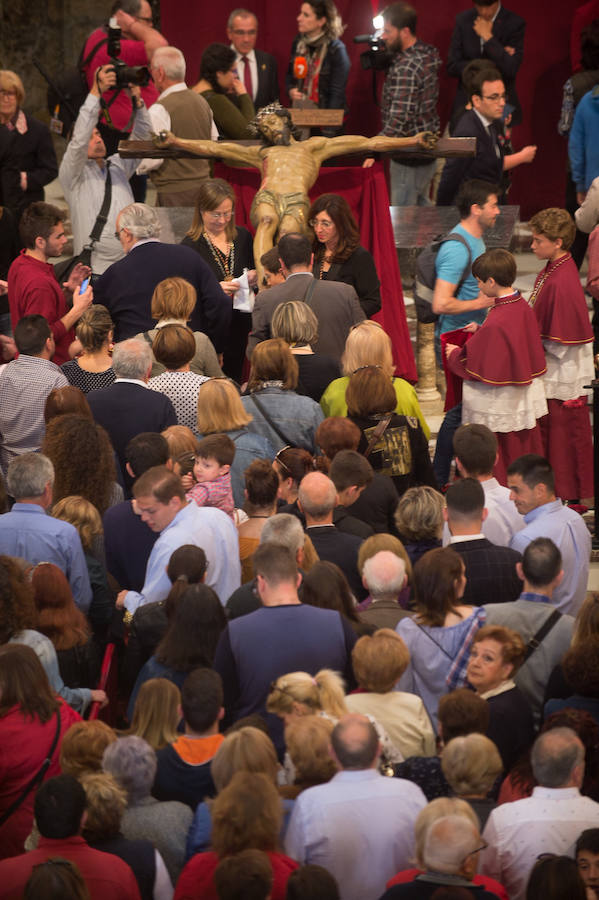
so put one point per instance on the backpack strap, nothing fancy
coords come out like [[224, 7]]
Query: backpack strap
[[454, 236], [37, 778]]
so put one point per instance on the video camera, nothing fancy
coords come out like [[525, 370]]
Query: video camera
[[377, 56], [125, 75]]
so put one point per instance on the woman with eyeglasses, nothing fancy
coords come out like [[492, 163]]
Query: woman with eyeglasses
[[228, 250], [368, 344], [338, 255], [31, 157]]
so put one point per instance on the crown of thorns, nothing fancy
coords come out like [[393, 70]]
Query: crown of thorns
[[272, 108]]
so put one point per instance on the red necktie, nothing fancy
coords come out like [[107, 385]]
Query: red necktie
[[247, 76]]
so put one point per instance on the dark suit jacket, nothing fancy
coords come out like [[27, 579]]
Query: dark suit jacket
[[126, 289], [268, 79], [342, 549], [486, 165], [490, 572], [508, 31], [334, 304], [125, 410], [360, 271]]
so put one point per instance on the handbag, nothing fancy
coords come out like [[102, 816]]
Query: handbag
[[63, 269]]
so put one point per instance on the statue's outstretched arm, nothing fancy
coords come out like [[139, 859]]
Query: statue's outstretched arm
[[355, 143], [225, 150]]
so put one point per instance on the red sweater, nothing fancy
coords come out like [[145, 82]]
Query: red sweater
[[196, 881]]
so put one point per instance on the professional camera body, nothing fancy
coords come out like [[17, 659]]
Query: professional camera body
[[125, 75], [377, 56]]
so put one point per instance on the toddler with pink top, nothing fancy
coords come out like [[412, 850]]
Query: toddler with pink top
[[212, 473]]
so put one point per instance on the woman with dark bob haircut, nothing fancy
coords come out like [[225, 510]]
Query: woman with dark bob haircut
[[279, 414], [319, 29], [225, 93], [402, 449], [247, 814], [83, 460], [190, 640], [555, 877], [228, 249], [338, 255], [440, 629], [31, 715], [174, 347]]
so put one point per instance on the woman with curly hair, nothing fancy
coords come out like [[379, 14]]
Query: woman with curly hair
[[66, 626], [18, 623], [83, 460]]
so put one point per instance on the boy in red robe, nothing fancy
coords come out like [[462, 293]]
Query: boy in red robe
[[502, 365], [560, 307]]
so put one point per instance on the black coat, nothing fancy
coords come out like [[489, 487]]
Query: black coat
[[490, 572], [486, 165], [360, 271], [268, 79], [33, 153]]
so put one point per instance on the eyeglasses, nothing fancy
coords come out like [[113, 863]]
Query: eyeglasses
[[117, 233], [148, 19], [494, 97], [219, 215], [477, 850], [241, 33], [315, 223], [5, 93]]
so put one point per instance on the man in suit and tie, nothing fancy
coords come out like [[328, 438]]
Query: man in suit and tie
[[257, 70], [335, 304], [126, 287], [488, 101], [128, 407], [492, 33]]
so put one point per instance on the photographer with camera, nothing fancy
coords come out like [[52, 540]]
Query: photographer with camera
[[84, 171], [409, 102], [130, 20]]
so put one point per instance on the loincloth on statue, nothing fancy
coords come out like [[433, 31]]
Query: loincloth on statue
[[296, 205]]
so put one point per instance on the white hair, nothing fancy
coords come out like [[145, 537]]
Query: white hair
[[140, 220], [172, 61], [448, 843], [132, 359], [283, 529], [384, 574], [28, 475]]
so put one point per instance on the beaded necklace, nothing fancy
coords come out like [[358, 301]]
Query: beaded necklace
[[549, 269], [225, 261]]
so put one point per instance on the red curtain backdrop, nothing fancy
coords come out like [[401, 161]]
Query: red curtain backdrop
[[366, 192], [192, 25]]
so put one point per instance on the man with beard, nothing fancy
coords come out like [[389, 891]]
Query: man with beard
[[288, 167]]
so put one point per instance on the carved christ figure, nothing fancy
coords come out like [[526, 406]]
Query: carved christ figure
[[288, 167]]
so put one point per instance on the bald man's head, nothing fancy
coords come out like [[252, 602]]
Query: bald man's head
[[317, 497], [355, 742]]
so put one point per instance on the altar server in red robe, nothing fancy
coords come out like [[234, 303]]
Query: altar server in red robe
[[561, 310], [502, 365]]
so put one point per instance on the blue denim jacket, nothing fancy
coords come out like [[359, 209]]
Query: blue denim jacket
[[297, 417]]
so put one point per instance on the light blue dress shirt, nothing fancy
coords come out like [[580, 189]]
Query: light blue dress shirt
[[27, 531], [78, 698], [206, 527], [359, 826], [568, 531]]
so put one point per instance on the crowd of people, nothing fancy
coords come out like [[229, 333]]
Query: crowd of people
[[254, 642]]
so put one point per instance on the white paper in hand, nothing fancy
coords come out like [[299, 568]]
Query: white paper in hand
[[243, 298]]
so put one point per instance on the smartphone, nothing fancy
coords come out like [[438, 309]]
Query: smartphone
[[84, 285]]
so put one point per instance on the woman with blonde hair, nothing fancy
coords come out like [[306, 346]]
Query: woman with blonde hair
[[245, 749], [227, 249], [297, 325], [471, 765], [308, 742], [220, 411], [88, 522], [279, 412], [157, 712], [419, 520], [368, 344], [299, 694], [92, 369], [173, 302], [379, 660], [246, 814]]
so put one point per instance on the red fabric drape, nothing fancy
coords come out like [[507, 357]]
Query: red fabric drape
[[366, 192]]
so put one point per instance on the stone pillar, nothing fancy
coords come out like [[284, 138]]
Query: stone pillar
[[426, 388]]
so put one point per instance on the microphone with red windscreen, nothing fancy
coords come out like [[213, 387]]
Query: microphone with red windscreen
[[300, 70]]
